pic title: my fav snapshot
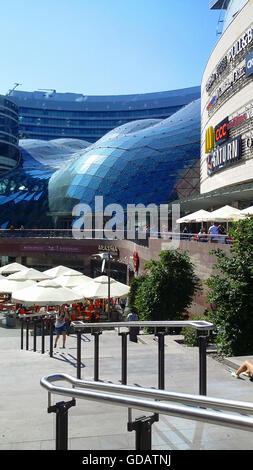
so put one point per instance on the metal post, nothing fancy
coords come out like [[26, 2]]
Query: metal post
[[27, 334], [96, 354], [202, 364], [78, 354], [160, 359], [22, 333], [42, 336], [109, 285], [143, 431], [61, 411], [51, 332], [34, 335], [124, 357]]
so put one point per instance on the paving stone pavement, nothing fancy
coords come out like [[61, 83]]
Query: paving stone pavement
[[26, 425]]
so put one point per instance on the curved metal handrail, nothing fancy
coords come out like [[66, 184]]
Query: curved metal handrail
[[185, 411]]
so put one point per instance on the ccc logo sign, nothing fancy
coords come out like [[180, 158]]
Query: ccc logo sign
[[221, 132], [209, 139]]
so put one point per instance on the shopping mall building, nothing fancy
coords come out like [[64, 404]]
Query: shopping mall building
[[161, 148], [226, 165]]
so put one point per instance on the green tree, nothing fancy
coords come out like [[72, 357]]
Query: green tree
[[231, 293], [167, 289], [134, 285]]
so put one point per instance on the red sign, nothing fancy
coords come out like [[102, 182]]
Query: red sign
[[136, 261]]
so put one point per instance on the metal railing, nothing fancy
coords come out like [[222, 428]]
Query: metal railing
[[145, 399], [140, 237], [203, 329], [43, 321], [162, 328]]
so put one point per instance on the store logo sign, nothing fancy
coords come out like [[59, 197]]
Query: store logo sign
[[224, 155], [249, 64], [221, 132], [209, 139], [211, 102]]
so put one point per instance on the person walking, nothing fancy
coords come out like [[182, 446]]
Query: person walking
[[133, 330], [62, 316]]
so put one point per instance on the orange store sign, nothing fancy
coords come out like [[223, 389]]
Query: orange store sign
[[221, 131]]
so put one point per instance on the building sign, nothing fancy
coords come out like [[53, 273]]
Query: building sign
[[249, 64], [240, 45], [111, 248], [236, 121], [219, 70], [221, 132], [209, 139], [224, 155], [245, 39], [233, 77]]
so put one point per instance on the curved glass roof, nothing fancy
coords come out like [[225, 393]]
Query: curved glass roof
[[151, 161], [24, 190], [51, 154]]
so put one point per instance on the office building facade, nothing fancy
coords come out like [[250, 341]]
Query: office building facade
[[9, 149], [49, 115]]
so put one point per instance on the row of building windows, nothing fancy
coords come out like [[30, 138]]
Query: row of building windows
[[60, 131], [8, 112], [86, 124], [98, 114], [8, 138]]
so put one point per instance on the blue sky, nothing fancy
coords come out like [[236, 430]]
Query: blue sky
[[104, 47]]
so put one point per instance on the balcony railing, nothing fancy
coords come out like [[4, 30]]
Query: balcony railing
[[138, 236]]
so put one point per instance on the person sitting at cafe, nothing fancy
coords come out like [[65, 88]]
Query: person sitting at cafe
[[222, 234], [214, 232], [202, 236]]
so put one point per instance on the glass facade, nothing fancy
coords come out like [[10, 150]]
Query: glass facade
[[49, 115], [9, 151], [24, 190], [146, 161]]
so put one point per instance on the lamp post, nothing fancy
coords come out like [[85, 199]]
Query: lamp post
[[106, 257]]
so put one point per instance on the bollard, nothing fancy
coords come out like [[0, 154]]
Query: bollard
[[96, 354], [124, 357]]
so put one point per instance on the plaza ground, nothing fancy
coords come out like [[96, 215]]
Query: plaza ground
[[26, 425]]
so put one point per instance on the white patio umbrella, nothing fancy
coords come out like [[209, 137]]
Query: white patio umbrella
[[46, 292], [98, 288], [247, 211], [8, 286], [59, 271], [31, 273], [12, 268], [198, 216], [225, 214], [72, 280]]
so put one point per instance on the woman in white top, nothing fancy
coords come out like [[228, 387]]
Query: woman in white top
[[60, 326]]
